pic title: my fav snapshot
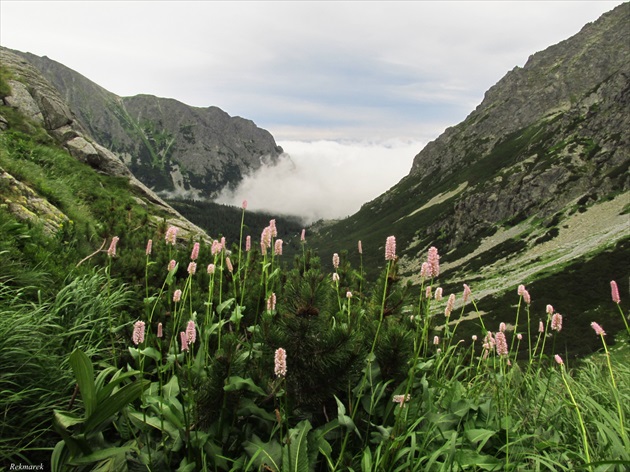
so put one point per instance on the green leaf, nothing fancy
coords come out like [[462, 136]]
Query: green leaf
[[366, 460], [171, 389], [66, 420], [239, 383], [84, 373], [160, 425], [101, 454], [295, 454], [345, 420], [107, 390], [224, 305], [248, 408], [114, 404], [467, 458], [479, 437], [262, 453]]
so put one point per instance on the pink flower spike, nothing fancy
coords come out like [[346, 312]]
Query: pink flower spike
[[556, 322], [211, 268], [171, 235], [303, 235], [467, 293], [558, 359], [184, 340], [172, 265], [191, 333], [449, 305], [195, 252], [271, 302], [526, 297], [335, 277], [278, 247], [549, 310], [273, 229], [541, 327], [335, 261], [390, 248], [216, 247], [502, 327], [192, 268], [502, 347], [348, 294], [425, 270], [433, 259], [111, 252], [474, 337], [598, 329], [436, 340], [149, 247], [280, 364], [159, 330], [228, 264], [177, 295], [519, 336], [428, 292], [438, 294], [248, 243], [401, 399], [244, 205], [614, 290], [138, 332], [360, 247]]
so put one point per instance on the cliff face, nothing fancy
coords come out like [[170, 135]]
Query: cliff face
[[170, 146], [535, 178], [37, 100]]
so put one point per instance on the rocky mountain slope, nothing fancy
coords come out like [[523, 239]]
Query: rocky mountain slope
[[37, 102], [170, 146], [532, 183]]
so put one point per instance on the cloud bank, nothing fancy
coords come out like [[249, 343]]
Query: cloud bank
[[325, 179]]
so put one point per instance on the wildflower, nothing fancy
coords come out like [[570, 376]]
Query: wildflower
[[248, 243], [549, 310], [541, 327], [211, 268], [280, 368], [223, 243], [192, 268], [303, 235], [228, 264], [558, 359], [433, 259], [278, 247], [195, 252], [502, 347], [177, 295], [159, 330], [427, 292], [111, 252], [171, 235], [598, 329], [360, 247], [271, 302], [138, 332], [272, 228], [438, 294], [244, 205], [524, 293], [474, 337], [425, 270], [348, 294], [335, 261], [335, 277], [436, 340], [614, 290], [502, 327], [519, 336], [449, 305], [556, 322], [184, 340], [149, 247], [191, 333], [401, 399], [216, 247], [265, 239], [390, 248], [489, 341], [467, 293], [172, 265]]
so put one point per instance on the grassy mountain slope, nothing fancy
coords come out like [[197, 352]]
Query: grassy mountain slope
[[531, 186]]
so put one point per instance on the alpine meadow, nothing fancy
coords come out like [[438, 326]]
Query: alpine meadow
[[474, 317]]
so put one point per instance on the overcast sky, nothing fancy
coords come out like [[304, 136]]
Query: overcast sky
[[302, 70]]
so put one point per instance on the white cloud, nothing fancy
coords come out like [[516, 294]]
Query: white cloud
[[325, 179]]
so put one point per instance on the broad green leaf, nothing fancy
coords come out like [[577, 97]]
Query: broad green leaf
[[114, 404], [261, 453], [479, 437], [467, 458], [107, 390], [171, 389], [101, 454], [248, 408], [239, 383], [345, 420], [224, 305], [84, 373], [160, 425], [366, 460], [65, 420], [295, 454]]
